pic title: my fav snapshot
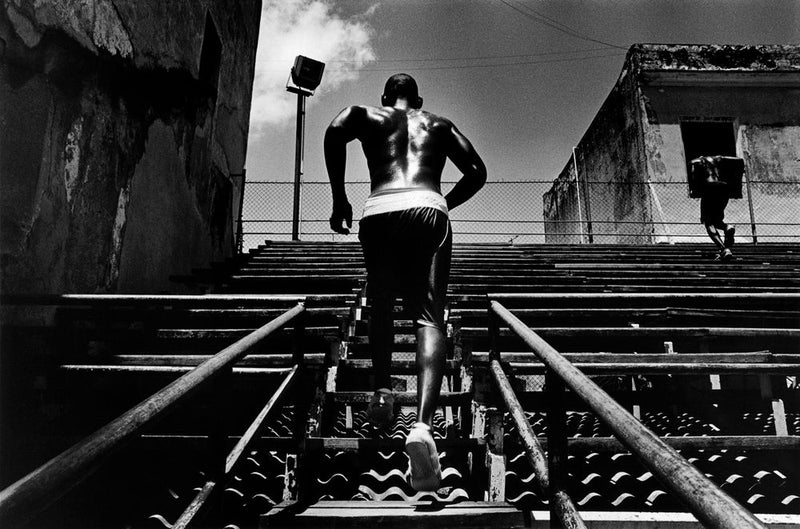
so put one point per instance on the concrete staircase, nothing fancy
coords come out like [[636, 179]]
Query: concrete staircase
[[729, 333]]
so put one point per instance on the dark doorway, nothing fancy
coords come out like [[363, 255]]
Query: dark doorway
[[707, 138]]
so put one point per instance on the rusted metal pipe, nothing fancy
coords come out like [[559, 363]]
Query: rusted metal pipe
[[235, 455], [712, 507], [43, 486], [564, 506]]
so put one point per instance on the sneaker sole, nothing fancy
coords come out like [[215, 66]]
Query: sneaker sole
[[423, 474]]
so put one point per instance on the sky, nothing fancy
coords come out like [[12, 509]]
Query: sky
[[522, 79]]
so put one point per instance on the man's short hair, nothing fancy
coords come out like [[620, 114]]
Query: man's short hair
[[400, 85]]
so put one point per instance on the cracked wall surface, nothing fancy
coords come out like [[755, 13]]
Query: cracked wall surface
[[635, 141], [116, 154]]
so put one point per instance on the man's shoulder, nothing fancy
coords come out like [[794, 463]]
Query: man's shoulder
[[354, 116], [370, 112], [435, 119]]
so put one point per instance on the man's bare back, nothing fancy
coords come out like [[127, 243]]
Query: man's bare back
[[405, 147]]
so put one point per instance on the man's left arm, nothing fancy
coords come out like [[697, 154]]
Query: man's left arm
[[340, 132], [463, 155]]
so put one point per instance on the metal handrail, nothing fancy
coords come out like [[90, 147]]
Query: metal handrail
[[519, 182], [562, 505], [236, 453], [712, 507], [53, 479], [502, 221]]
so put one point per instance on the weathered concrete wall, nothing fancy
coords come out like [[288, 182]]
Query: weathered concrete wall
[[121, 123], [766, 124], [635, 139], [611, 174], [690, 58], [563, 218]]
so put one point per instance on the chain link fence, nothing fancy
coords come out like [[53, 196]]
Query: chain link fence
[[512, 212]]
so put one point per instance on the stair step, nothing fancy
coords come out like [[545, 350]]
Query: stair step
[[397, 514], [631, 287], [446, 398], [642, 339], [398, 366], [165, 359], [644, 317]]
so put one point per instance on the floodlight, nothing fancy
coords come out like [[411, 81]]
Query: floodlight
[[306, 74]]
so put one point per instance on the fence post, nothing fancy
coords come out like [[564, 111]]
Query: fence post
[[239, 223], [587, 196], [298, 164], [750, 206], [578, 194]]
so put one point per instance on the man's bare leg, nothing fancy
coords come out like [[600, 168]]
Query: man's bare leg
[[715, 236], [431, 355], [425, 471], [716, 232]]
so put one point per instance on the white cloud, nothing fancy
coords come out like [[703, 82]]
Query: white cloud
[[304, 27]]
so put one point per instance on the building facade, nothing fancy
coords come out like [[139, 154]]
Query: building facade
[[123, 135], [627, 181]]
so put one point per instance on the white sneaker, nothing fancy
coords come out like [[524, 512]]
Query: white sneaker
[[426, 473]]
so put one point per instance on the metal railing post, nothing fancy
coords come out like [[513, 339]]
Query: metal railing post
[[556, 442], [494, 330], [713, 507], [218, 396], [40, 488], [563, 507]]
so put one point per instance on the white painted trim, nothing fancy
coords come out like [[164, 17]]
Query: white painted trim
[[656, 520]]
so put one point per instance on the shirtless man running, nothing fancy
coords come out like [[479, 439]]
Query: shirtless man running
[[406, 238]]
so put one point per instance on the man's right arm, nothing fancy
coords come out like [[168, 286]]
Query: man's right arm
[[463, 155], [341, 131]]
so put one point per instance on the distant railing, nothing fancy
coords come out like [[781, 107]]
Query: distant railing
[[22, 500], [513, 211], [713, 507]]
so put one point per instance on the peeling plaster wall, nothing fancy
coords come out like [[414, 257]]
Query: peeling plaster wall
[[635, 140], [561, 204], [610, 151], [115, 152], [766, 122]]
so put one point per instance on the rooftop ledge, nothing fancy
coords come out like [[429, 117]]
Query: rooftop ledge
[[720, 78]]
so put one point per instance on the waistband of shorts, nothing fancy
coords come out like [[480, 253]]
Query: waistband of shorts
[[401, 199]]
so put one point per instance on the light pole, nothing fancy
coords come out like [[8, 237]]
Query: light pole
[[305, 77]]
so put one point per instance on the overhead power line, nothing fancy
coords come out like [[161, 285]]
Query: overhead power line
[[486, 65], [436, 59], [494, 64], [534, 15]]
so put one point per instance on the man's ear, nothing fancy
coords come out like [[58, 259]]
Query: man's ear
[[419, 102], [384, 101]]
